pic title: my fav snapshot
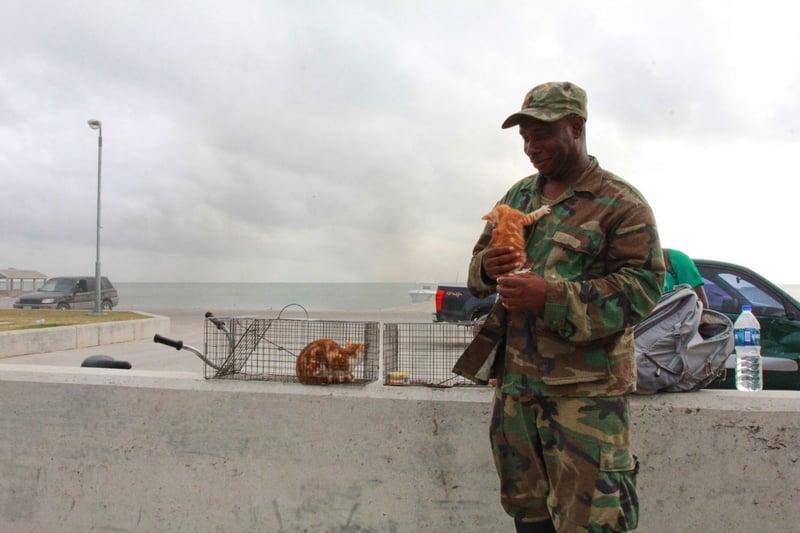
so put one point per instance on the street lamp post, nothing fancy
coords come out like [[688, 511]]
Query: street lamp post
[[97, 125]]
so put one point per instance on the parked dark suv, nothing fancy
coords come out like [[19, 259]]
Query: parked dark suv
[[69, 292]]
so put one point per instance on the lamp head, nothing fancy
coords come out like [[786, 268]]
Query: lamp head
[[95, 124]]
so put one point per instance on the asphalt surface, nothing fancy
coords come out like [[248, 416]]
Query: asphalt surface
[[188, 325]]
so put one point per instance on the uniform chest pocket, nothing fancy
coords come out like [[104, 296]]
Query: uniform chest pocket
[[574, 253]]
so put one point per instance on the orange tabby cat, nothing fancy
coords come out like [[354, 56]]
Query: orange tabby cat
[[508, 223], [324, 361]]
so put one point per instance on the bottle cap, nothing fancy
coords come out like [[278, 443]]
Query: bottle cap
[[746, 308]]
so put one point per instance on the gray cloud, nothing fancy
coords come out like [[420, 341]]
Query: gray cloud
[[320, 141]]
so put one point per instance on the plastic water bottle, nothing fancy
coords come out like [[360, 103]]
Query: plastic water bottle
[[747, 335]]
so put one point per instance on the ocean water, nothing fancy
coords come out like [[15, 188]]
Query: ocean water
[[275, 296], [265, 296]]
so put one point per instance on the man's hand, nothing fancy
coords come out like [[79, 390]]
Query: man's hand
[[501, 260], [522, 291]]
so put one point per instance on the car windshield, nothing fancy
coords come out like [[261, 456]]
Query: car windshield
[[57, 285]]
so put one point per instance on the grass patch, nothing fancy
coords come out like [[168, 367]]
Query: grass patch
[[16, 319]]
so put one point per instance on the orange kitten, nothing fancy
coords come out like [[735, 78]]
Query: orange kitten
[[324, 361], [508, 223]]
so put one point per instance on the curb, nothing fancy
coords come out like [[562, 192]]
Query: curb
[[26, 342]]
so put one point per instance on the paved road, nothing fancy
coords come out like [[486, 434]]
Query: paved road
[[143, 355], [188, 326]]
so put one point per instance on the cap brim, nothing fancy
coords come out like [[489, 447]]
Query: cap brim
[[539, 114]]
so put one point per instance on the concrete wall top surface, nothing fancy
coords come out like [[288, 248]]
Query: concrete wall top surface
[[723, 400], [133, 450]]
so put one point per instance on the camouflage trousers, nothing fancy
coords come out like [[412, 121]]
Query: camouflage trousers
[[567, 459]]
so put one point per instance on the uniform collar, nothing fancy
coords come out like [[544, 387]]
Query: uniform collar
[[589, 181]]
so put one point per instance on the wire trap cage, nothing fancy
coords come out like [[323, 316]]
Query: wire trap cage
[[266, 349], [424, 353]]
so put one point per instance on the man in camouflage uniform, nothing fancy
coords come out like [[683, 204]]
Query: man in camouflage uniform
[[559, 339]]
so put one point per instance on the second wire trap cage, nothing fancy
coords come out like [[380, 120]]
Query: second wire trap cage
[[424, 353]]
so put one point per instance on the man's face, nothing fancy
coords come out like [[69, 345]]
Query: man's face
[[551, 146]]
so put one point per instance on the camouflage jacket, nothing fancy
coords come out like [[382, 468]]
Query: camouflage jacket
[[600, 255]]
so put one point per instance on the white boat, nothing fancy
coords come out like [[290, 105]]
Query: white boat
[[423, 292]]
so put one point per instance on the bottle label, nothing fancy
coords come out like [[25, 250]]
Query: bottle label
[[747, 337]]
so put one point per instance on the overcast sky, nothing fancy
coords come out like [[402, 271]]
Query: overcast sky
[[258, 140]]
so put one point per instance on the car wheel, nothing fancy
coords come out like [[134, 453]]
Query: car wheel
[[62, 306], [107, 305]]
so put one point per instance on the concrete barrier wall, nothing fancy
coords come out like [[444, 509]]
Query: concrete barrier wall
[[94, 449], [45, 340]]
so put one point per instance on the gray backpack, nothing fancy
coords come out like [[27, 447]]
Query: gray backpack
[[681, 347]]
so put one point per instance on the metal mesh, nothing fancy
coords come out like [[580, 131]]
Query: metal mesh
[[266, 349], [424, 354]]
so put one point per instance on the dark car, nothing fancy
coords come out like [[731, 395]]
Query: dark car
[[454, 303], [730, 286], [69, 292]]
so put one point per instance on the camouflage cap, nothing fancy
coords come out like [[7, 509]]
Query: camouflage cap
[[549, 102]]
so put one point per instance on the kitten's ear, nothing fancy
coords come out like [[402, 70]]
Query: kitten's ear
[[356, 348]]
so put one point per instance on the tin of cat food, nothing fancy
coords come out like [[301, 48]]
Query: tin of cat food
[[397, 378]]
